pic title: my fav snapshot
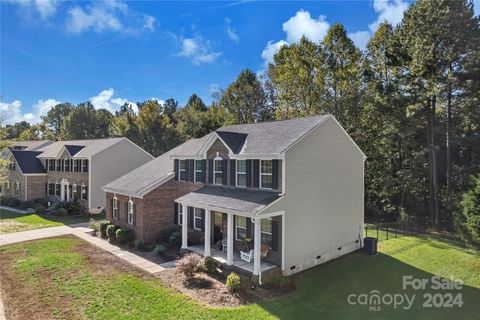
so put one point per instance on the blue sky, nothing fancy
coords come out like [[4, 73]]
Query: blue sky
[[116, 51]]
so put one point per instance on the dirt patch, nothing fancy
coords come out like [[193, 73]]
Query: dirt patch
[[9, 226]]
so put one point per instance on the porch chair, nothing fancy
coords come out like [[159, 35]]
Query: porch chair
[[248, 256]]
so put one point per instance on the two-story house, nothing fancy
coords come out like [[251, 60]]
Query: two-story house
[[65, 170], [285, 194]]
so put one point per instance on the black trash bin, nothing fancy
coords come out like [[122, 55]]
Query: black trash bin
[[370, 246]]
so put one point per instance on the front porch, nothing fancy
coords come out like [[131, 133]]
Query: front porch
[[237, 262]]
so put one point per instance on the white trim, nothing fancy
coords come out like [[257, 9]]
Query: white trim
[[211, 140], [284, 180], [283, 243], [26, 189], [34, 174], [144, 191], [257, 156], [179, 213], [114, 207], [130, 213], [239, 227], [89, 182], [215, 171], [180, 170]]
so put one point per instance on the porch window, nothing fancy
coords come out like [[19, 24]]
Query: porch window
[[197, 221], [180, 213], [241, 173], [85, 165], [198, 171], [183, 170], [67, 165], [241, 228], [218, 171], [115, 208], [17, 188], [130, 214], [266, 232], [266, 171]]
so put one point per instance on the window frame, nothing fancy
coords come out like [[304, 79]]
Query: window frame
[[114, 208], [66, 164], [237, 226], [262, 174], [51, 164], [215, 171], [130, 213], [195, 218], [180, 170], [195, 170], [237, 173], [83, 192], [58, 165]]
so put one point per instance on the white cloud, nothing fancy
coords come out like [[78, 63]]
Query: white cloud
[[231, 32], [44, 8], [476, 7], [270, 50], [12, 112], [198, 50], [391, 11], [360, 38], [302, 24], [105, 100], [150, 23]]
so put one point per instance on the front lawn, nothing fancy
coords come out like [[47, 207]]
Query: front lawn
[[68, 278], [11, 221]]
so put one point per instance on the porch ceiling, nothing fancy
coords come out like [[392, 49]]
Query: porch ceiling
[[229, 199]]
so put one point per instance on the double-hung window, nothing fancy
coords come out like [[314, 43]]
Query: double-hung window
[[131, 213], [266, 232], [84, 194], [85, 165], [17, 188], [115, 208], [57, 189], [266, 172], [241, 173], [241, 228], [197, 221], [67, 165], [198, 171], [218, 171], [183, 170], [180, 213], [51, 165], [59, 164]]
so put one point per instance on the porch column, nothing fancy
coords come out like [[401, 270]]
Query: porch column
[[207, 236], [184, 226], [229, 239], [62, 190], [67, 186], [257, 239]]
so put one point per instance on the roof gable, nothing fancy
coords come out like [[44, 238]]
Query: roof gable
[[233, 140]]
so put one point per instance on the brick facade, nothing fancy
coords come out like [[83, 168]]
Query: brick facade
[[35, 187], [13, 177]]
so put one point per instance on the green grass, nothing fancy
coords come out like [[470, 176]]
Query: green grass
[[321, 291], [11, 221]]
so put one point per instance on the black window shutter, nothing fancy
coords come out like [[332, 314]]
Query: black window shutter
[[62, 165], [232, 172], [175, 213], [275, 174], [46, 188], [175, 168], [249, 173], [224, 169], [204, 170], [256, 173], [249, 229], [274, 235], [111, 207], [190, 217], [210, 171], [46, 164], [202, 226]]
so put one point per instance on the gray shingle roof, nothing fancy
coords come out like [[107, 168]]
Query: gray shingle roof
[[233, 199], [90, 147], [32, 145], [141, 179], [28, 161]]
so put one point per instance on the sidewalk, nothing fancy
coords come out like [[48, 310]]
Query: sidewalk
[[11, 209]]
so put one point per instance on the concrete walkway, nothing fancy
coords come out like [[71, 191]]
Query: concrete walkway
[[11, 209]]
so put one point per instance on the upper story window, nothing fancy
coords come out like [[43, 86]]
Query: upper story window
[[59, 165], [85, 165], [67, 165], [266, 172], [131, 213], [183, 170], [241, 173], [51, 164], [218, 171], [114, 208], [198, 171]]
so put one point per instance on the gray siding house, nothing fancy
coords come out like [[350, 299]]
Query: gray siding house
[[285, 195]]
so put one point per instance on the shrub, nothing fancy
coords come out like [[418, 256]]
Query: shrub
[[233, 282], [62, 212], [189, 265], [26, 204], [4, 201], [111, 232], [74, 208], [175, 239], [210, 265], [467, 219], [103, 228], [40, 201], [140, 245], [13, 202], [220, 245], [165, 234], [40, 209], [160, 249], [281, 280], [94, 225], [124, 235]]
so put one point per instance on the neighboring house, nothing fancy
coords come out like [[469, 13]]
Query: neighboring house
[[291, 191], [64, 170]]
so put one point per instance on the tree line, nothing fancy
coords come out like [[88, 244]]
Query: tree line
[[410, 100]]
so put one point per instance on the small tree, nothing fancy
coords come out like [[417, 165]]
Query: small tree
[[233, 282], [467, 219]]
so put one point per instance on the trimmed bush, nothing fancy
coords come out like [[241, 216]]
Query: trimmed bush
[[165, 234], [40, 201], [175, 239], [13, 202], [112, 232], [160, 249], [233, 282], [62, 212], [40, 209], [26, 204], [124, 235], [210, 265], [4, 201], [140, 245], [190, 265], [103, 228], [74, 208], [94, 225], [281, 280]]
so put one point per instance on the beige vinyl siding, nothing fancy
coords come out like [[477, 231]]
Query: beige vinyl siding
[[324, 197], [111, 164]]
